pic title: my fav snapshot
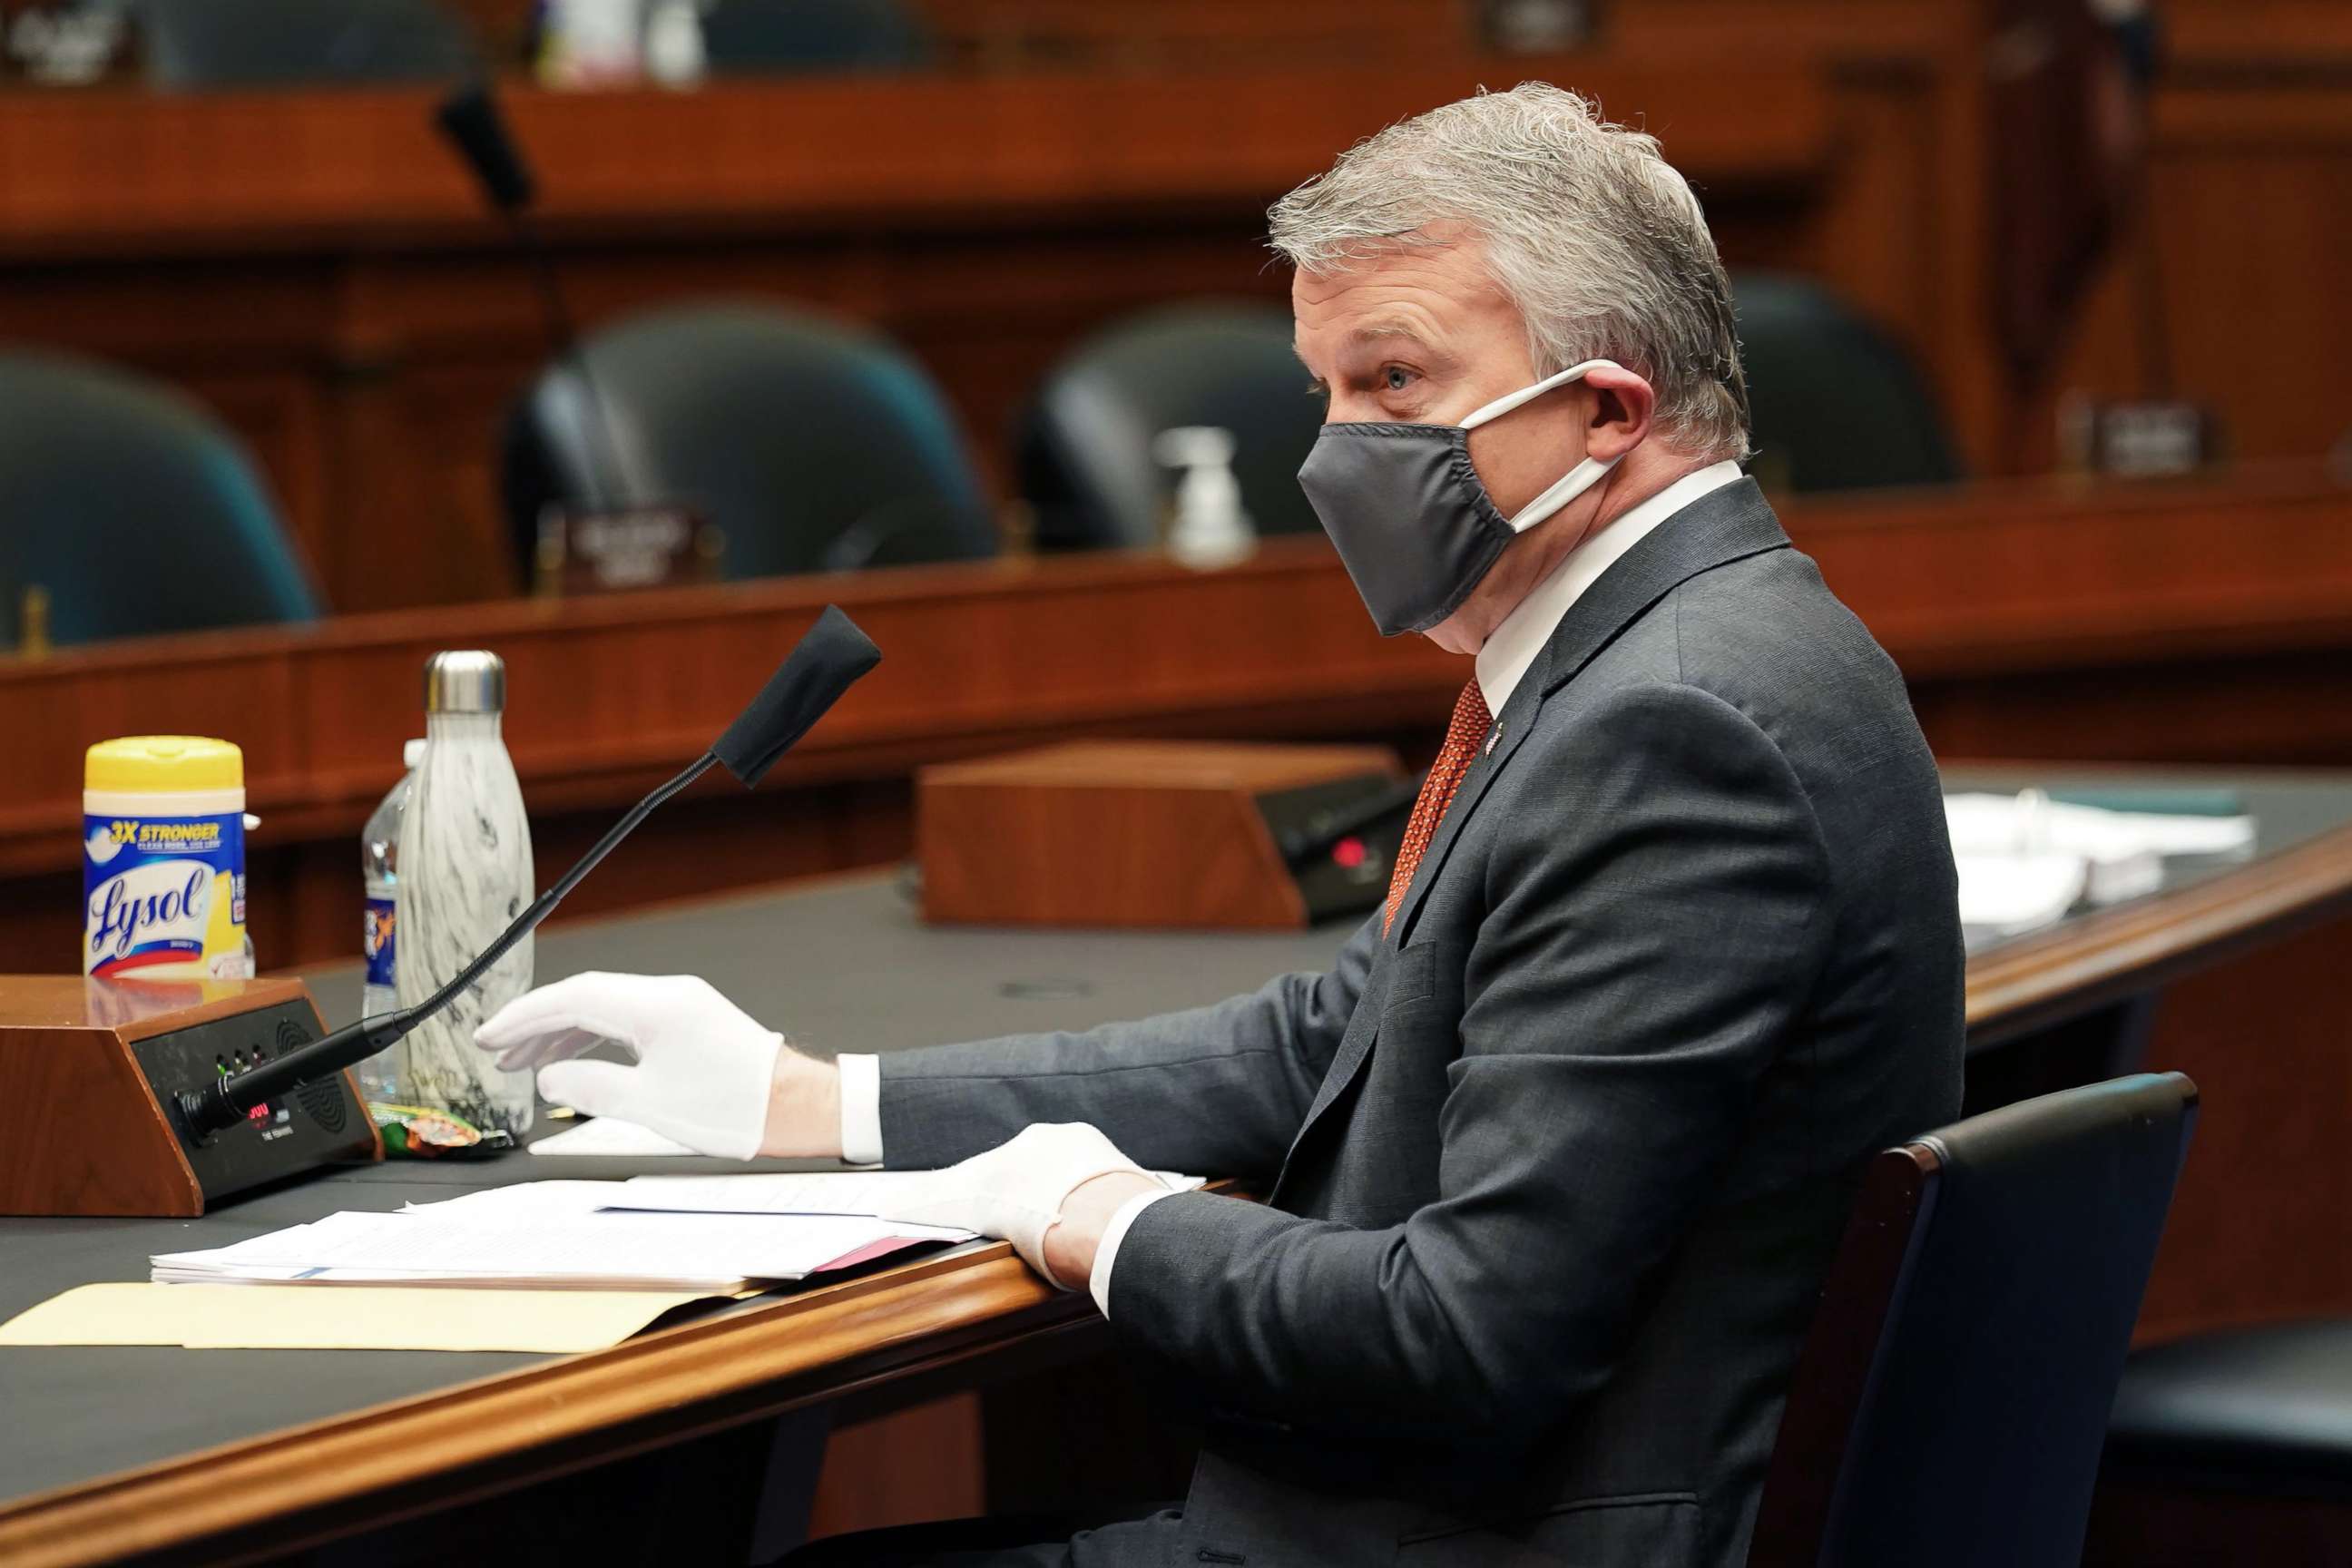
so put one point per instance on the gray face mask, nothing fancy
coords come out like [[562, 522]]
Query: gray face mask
[[1409, 515]]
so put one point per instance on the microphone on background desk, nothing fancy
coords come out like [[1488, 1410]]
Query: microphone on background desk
[[823, 664], [617, 539], [470, 120]]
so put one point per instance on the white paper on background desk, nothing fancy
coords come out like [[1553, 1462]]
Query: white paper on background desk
[[611, 1137], [2010, 894], [808, 1193], [2035, 825], [540, 1243]]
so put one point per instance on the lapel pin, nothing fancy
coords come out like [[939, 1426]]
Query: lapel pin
[[1492, 736]]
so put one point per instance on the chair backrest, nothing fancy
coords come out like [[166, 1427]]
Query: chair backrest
[[1834, 403], [1085, 445], [790, 37], [1949, 1405], [136, 510], [812, 445], [201, 44]]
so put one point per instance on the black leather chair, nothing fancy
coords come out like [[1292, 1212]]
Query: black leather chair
[[1948, 1406], [1835, 403], [776, 38], [812, 445], [1085, 445], [135, 510], [201, 44], [2234, 1445]]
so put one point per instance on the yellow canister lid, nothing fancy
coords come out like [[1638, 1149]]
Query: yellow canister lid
[[163, 762]]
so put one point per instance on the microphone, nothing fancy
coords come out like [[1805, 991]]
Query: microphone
[[469, 117], [470, 120], [826, 663]]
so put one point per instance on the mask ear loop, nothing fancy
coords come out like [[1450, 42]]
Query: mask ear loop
[[1578, 479], [1527, 395]]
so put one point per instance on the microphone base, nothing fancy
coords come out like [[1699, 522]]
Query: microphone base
[[95, 1071]]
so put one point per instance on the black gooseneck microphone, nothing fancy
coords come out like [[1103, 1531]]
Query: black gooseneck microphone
[[821, 667], [470, 120]]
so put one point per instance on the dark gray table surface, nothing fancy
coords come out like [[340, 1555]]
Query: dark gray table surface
[[845, 966], [841, 967]]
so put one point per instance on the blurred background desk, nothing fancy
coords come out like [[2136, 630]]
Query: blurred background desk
[[312, 266], [941, 1377], [2033, 620]]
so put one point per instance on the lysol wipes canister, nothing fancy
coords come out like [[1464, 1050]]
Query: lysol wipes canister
[[164, 859]]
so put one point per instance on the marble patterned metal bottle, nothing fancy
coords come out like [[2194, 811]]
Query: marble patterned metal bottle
[[465, 872]]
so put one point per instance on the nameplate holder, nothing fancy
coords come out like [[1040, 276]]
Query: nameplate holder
[[621, 548]]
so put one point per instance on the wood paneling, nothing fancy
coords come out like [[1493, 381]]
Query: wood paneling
[[903, 1468], [2257, 1222], [2043, 622], [2229, 288]]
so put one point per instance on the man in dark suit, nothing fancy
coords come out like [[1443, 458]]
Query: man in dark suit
[[1557, 1153]]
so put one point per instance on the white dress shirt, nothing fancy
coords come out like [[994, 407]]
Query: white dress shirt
[[1508, 654]]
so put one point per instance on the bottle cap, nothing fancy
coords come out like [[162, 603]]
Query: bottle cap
[[163, 762], [471, 681], [412, 752]]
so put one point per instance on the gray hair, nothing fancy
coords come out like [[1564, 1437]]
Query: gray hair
[[1589, 231]]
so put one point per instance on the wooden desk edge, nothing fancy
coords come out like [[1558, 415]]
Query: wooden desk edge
[[2136, 947], [309, 1483]]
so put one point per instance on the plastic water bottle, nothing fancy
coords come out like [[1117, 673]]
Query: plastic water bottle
[[380, 866], [464, 874]]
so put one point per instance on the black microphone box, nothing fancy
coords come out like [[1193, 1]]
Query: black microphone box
[[1178, 834], [93, 1069]]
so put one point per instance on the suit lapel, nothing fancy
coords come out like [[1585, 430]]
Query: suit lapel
[[1512, 725], [1354, 1044], [1721, 526]]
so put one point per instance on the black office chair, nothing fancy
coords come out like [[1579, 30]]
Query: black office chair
[[202, 44], [2217, 1436], [135, 510], [775, 37], [1949, 1404], [1085, 444], [1835, 403], [812, 445]]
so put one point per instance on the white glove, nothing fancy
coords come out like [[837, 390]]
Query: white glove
[[1015, 1191], [703, 1067]]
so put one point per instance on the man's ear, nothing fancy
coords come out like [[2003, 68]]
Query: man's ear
[[1621, 406]]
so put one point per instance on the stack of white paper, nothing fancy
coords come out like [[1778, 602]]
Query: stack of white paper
[[2006, 895], [786, 1192], [610, 1137], [708, 1235], [2025, 859], [538, 1241]]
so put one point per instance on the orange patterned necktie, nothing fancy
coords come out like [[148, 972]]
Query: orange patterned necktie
[[1462, 737]]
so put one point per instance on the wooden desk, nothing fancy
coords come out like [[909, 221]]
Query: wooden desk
[[261, 1453], [2033, 621]]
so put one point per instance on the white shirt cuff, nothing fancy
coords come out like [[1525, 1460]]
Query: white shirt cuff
[[861, 1110], [1106, 1251]]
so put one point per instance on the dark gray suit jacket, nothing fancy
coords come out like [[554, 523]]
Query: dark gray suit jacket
[[1557, 1167]]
